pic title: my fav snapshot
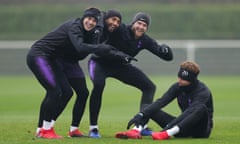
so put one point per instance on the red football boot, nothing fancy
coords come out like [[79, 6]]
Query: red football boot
[[75, 133], [132, 134], [160, 135], [49, 134]]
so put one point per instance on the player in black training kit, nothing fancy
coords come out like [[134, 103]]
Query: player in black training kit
[[54, 61], [108, 23], [195, 101], [130, 39]]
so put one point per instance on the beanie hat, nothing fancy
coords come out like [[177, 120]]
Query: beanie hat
[[140, 16], [187, 75], [113, 13], [92, 12]]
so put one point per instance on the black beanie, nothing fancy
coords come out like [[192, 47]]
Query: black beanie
[[140, 16], [92, 12], [113, 13]]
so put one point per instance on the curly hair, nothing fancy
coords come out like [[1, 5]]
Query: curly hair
[[190, 66]]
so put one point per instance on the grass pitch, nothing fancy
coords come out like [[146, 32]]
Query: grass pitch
[[20, 98]]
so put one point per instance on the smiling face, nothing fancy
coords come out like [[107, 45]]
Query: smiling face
[[113, 23], [139, 28], [89, 23]]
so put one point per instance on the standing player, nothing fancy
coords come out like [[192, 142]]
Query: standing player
[[68, 41], [76, 78], [130, 39], [195, 101], [108, 24]]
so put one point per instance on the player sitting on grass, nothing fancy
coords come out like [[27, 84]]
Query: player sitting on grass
[[195, 101]]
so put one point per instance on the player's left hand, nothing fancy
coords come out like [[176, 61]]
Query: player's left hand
[[135, 120], [165, 48]]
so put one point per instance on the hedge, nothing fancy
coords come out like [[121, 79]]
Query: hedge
[[168, 21]]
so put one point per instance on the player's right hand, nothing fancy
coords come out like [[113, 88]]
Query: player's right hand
[[128, 59]]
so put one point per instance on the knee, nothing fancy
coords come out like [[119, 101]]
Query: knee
[[67, 93], [83, 94], [54, 94], [202, 109], [98, 86], [149, 91], [153, 87], [199, 110], [150, 87]]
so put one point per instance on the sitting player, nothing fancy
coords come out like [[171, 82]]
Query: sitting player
[[195, 101]]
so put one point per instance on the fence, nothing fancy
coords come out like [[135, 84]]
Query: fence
[[215, 57]]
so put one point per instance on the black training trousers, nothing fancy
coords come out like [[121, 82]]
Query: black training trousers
[[193, 122], [126, 73], [52, 78]]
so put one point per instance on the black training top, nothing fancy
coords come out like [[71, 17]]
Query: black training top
[[123, 40], [69, 40], [188, 97]]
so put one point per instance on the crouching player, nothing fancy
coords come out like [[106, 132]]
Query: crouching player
[[195, 101]]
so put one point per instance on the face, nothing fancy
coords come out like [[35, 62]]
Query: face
[[182, 82], [89, 23], [139, 28], [113, 23]]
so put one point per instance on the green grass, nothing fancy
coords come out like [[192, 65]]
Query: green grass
[[20, 98]]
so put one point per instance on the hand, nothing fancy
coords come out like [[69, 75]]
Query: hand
[[135, 120], [121, 56], [128, 59], [165, 48], [165, 52], [97, 35]]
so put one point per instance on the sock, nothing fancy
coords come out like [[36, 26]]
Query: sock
[[145, 126], [173, 131], [47, 125], [140, 128], [93, 127], [73, 128], [52, 123]]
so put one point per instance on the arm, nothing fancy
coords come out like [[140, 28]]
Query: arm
[[116, 54], [144, 115], [99, 28], [163, 51], [119, 56], [167, 97], [76, 36], [202, 96], [196, 108]]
